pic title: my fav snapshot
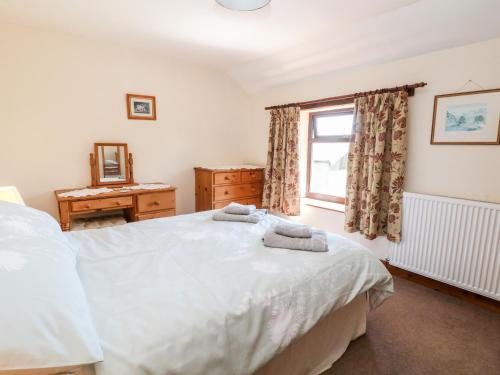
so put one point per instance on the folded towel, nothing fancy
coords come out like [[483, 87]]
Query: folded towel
[[251, 218], [317, 242], [293, 230], [239, 209]]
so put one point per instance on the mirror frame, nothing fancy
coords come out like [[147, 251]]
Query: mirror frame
[[96, 178]]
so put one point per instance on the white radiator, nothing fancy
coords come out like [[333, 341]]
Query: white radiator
[[455, 241]]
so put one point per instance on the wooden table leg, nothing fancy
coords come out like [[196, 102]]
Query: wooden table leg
[[64, 217]]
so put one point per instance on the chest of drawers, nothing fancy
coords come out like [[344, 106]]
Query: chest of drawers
[[217, 187]]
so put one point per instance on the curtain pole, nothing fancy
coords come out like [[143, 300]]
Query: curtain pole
[[345, 99]]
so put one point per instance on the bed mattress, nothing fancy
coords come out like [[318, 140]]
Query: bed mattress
[[189, 295]]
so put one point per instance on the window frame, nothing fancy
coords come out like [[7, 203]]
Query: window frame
[[312, 138]]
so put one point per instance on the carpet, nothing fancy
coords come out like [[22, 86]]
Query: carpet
[[420, 331]]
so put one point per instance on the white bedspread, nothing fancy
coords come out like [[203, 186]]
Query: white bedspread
[[188, 295]]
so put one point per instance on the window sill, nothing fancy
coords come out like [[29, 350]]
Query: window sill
[[324, 204]]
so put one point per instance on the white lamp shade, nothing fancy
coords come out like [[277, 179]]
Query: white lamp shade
[[243, 4], [10, 194]]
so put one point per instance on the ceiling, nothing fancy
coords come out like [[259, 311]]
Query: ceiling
[[286, 41]]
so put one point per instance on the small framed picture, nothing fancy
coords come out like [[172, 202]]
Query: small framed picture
[[467, 118], [141, 107]]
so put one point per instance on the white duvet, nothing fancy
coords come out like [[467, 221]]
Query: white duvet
[[188, 295]]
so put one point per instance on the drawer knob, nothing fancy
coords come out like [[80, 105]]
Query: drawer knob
[[87, 205], [156, 203], [226, 178], [226, 192], [117, 203]]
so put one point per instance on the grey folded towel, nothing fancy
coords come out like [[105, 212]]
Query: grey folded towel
[[251, 218], [239, 209], [317, 242], [293, 230]]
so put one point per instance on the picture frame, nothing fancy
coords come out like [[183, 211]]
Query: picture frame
[[141, 107], [467, 118]]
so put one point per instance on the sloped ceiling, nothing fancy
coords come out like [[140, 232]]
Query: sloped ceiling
[[286, 41]]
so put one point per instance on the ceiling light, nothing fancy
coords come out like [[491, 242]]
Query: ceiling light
[[243, 4]]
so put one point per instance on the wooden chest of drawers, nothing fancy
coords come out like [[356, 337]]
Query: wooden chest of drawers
[[217, 187], [138, 204]]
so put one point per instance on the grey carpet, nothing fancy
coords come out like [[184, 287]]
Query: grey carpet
[[420, 331]]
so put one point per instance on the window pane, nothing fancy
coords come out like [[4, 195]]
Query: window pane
[[328, 168], [334, 125]]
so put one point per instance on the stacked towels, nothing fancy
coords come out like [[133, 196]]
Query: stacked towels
[[239, 212], [239, 209], [296, 237]]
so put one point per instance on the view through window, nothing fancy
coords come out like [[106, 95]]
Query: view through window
[[329, 136]]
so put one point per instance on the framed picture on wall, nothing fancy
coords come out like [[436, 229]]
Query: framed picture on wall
[[141, 107], [467, 118]]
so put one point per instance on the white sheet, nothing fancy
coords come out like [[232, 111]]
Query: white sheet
[[189, 295], [325, 343]]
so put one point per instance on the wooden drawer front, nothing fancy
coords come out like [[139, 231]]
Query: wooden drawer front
[[250, 176], [156, 215], [70, 370], [221, 178], [236, 191], [99, 204], [155, 201], [257, 201]]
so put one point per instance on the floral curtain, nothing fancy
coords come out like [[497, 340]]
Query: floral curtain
[[281, 184], [376, 165]]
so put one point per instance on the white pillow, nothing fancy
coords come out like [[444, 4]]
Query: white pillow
[[44, 316]]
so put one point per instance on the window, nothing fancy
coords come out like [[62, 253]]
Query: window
[[329, 137]]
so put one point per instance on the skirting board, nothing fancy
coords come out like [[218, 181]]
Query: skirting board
[[439, 286]]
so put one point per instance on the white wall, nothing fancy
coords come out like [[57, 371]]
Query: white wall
[[470, 172], [60, 94]]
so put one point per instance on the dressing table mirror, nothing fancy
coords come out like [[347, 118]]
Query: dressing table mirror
[[111, 164]]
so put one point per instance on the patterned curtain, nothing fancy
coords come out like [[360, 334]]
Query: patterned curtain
[[376, 165], [281, 184]]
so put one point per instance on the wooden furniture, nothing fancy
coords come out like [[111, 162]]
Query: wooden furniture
[[139, 204], [217, 187], [111, 164], [66, 370], [113, 188]]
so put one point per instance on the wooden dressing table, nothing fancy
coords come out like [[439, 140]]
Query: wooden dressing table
[[139, 204], [113, 188]]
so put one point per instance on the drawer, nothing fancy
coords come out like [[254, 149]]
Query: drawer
[[250, 176], [100, 204], [155, 201], [221, 178], [156, 215], [257, 201], [222, 193], [70, 370]]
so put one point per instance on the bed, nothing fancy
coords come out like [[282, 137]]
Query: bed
[[188, 295]]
